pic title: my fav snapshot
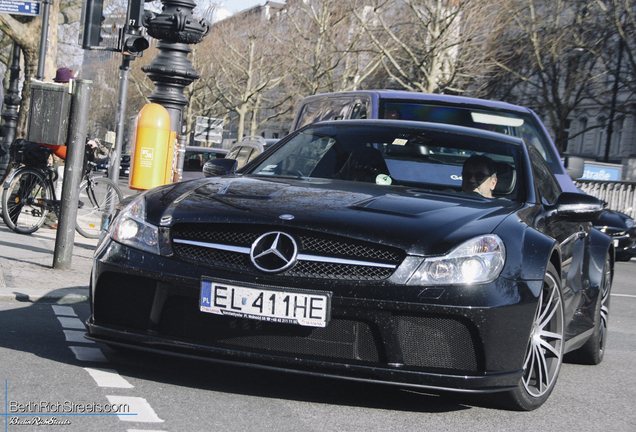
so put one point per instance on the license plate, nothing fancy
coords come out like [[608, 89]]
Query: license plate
[[301, 307], [616, 243]]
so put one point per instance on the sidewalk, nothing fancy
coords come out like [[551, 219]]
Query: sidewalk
[[26, 267]]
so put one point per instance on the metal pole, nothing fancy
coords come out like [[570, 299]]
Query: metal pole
[[610, 124], [80, 104], [115, 157], [46, 5]]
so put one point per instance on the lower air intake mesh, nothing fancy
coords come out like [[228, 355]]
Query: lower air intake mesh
[[436, 343]]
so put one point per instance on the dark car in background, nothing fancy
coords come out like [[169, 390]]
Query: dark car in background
[[195, 157], [620, 227], [124, 165], [351, 250]]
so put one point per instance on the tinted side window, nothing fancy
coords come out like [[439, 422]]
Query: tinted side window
[[308, 114], [325, 109], [547, 184], [359, 110]]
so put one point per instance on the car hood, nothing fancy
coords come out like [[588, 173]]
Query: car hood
[[417, 221]]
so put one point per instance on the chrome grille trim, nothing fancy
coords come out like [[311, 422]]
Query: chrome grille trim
[[229, 248]]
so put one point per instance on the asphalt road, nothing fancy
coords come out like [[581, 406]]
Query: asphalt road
[[43, 358]]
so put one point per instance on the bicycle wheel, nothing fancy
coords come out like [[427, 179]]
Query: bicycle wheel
[[20, 208], [97, 197]]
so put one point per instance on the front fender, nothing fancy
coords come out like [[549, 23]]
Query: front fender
[[10, 177], [529, 253], [600, 246]]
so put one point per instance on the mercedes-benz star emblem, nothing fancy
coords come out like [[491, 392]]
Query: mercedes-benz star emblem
[[274, 252]]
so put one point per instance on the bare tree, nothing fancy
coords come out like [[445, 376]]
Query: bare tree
[[240, 69], [426, 45], [325, 48], [548, 58], [26, 32], [621, 18]]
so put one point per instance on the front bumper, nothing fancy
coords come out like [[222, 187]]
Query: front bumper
[[457, 338]]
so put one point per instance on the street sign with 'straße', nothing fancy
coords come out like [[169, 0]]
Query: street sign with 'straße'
[[21, 7]]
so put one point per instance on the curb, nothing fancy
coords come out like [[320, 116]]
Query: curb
[[47, 298]]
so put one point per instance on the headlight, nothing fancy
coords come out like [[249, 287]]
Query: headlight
[[478, 260], [131, 229]]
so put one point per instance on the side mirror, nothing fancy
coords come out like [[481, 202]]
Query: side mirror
[[574, 167], [219, 167], [577, 207]]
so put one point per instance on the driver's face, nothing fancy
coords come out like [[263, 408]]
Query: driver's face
[[476, 179]]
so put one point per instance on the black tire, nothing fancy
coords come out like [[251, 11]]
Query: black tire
[[97, 199], [20, 211], [592, 352], [544, 354]]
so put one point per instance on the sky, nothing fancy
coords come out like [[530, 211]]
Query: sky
[[240, 5]]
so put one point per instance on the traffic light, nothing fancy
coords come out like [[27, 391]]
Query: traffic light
[[134, 44], [92, 18]]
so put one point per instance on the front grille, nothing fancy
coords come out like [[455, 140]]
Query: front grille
[[310, 269], [309, 243]]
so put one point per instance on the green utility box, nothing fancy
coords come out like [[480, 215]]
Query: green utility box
[[49, 113]]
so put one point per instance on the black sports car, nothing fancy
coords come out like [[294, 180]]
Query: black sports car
[[621, 228], [354, 249]]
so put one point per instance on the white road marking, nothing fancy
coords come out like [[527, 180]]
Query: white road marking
[[88, 354], [143, 430], [76, 336], [104, 377], [137, 405], [63, 310], [623, 295], [108, 378], [71, 323]]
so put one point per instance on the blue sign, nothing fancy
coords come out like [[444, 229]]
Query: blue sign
[[601, 173], [20, 7]]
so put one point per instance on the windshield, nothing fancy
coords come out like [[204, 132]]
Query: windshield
[[392, 155], [509, 123]]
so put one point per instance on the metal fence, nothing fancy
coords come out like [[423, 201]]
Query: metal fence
[[620, 196]]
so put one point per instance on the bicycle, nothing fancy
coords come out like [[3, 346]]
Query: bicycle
[[28, 194]]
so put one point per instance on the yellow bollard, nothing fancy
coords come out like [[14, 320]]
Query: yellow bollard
[[152, 153]]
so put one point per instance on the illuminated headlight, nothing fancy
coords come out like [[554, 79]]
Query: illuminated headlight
[[131, 229], [478, 260]]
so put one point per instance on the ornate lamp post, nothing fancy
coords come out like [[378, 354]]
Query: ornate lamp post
[[171, 70], [12, 99], [10, 113]]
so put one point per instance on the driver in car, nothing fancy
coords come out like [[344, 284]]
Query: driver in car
[[479, 175]]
